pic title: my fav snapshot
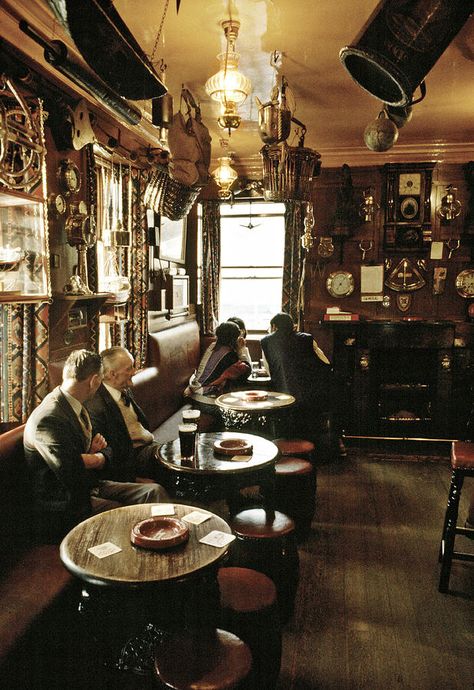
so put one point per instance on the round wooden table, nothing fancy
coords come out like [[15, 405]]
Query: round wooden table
[[134, 566], [268, 416], [212, 475], [132, 599]]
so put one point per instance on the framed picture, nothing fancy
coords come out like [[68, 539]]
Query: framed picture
[[173, 240], [177, 293]]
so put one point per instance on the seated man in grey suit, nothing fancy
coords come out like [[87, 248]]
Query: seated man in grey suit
[[73, 472], [115, 414]]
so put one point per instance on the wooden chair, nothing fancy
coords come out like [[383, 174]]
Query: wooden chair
[[462, 463]]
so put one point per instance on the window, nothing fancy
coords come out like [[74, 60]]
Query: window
[[252, 249]]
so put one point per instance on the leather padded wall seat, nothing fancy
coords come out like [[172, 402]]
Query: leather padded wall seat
[[296, 492], [462, 463], [267, 543], [200, 660], [250, 610]]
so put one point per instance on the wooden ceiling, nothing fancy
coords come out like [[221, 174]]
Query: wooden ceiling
[[310, 35]]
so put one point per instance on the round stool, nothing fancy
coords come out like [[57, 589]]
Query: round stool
[[295, 446], [462, 463], [250, 611], [295, 492], [267, 542], [202, 660]]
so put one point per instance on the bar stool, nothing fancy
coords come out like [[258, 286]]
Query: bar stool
[[295, 492], [202, 660], [462, 462], [295, 446], [266, 542], [249, 609]]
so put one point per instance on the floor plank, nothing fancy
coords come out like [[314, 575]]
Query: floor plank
[[368, 613]]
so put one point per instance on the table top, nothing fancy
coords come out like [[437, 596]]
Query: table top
[[134, 566], [237, 400], [207, 461]]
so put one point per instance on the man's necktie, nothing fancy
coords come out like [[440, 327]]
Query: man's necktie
[[125, 395], [86, 424]]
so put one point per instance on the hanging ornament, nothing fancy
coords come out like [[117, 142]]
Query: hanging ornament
[[380, 134]]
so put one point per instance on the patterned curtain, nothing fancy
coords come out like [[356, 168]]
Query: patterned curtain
[[293, 265], [25, 351], [211, 265], [135, 218]]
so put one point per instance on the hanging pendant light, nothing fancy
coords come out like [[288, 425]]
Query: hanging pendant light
[[224, 176], [228, 86]]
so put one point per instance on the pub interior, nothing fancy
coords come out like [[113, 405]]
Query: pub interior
[[322, 166]]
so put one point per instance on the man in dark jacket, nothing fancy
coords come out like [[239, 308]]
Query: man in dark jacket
[[71, 467], [299, 367], [117, 416]]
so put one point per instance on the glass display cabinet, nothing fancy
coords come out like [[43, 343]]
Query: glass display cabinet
[[24, 254]]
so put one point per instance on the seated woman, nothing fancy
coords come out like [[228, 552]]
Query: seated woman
[[220, 363], [242, 349]]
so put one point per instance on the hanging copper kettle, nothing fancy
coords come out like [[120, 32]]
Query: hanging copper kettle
[[274, 117]]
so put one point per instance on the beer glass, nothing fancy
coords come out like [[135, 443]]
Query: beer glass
[[191, 417], [187, 440]]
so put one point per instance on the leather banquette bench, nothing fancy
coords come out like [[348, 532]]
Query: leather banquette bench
[[32, 577]]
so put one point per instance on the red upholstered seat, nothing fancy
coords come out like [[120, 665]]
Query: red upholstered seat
[[217, 660], [244, 590], [255, 524], [294, 446], [462, 455], [288, 465]]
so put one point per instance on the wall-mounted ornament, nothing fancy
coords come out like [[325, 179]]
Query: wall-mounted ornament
[[405, 277], [450, 207], [407, 204], [325, 247], [369, 206], [340, 284], [404, 300], [465, 283]]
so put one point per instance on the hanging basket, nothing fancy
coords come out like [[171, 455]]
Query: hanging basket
[[288, 172], [169, 197]]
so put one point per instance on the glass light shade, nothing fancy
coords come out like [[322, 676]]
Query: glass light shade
[[229, 117], [450, 207], [225, 176], [228, 85]]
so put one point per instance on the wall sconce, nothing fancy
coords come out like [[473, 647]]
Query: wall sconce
[[307, 239], [368, 207], [228, 86], [450, 207], [224, 176]]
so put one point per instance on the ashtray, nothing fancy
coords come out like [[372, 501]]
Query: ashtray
[[233, 446], [255, 396], [159, 532]]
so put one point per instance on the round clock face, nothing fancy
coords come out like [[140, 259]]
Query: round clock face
[[465, 283], [409, 208], [409, 183], [340, 284], [58, 204], [69, 177]]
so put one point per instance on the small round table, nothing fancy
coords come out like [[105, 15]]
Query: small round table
[[258, 416], [211, 475], [133, 598]]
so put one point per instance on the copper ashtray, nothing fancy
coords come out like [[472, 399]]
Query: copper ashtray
[[159, 532], [255, 396], [233, 446]]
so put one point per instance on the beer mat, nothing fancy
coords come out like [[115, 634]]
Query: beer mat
[[159, 532], [104, 550], [163, 509], [217, 538], [196, 517], [229, 399]]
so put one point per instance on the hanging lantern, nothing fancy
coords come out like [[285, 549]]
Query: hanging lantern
[[224, 176]]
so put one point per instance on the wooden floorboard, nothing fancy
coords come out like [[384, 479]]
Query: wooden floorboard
[[368, 613]]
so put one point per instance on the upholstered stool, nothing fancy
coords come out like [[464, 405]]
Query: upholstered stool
[[295, 492], [202, 660], [295, 446], [267, 542], [462, 463], [250, 610]]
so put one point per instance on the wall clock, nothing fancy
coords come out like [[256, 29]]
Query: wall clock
[[340, 284], [69, 177], [407, 206], [465, 283]]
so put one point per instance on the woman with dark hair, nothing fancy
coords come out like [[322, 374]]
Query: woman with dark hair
[[242, 349], [220, 363]]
